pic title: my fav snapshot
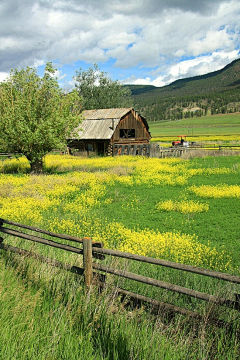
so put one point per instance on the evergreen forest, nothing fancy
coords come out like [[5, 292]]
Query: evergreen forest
[[214, 93]]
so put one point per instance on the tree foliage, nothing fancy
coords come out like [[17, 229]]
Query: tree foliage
[[35, 115], [98, 91]]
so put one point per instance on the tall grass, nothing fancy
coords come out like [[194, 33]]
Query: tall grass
[[46, 314]]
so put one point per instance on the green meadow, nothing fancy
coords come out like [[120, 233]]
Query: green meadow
[[180, 210], [226, 124]]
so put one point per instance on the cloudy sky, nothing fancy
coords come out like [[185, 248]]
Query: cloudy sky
[[135, 41]]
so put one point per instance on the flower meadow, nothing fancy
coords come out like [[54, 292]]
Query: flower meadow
[[234, 138], [181, 210], [186, 207], [216, 192]]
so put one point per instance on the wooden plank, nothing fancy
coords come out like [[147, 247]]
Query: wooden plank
[[44, 259], [164, 285], [60, 236], [148, 151], [173, 265], [55, 263], [48, 242], [41, 240], [119, 149], [159, 304], [87, 261], [52, 234]]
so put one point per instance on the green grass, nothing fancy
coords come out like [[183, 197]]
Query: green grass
[[218, 225], [45, 313], [207, 125]]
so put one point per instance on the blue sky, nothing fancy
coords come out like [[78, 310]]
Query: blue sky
[[151, 42]]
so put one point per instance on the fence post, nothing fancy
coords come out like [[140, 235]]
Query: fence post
[[87, 261]]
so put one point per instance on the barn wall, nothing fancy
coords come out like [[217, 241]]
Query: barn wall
[[131, 121], [100, 147]]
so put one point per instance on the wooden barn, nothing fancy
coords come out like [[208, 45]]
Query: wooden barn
[[111, 132]]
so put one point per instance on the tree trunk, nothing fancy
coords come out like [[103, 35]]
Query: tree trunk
[[36, 166]]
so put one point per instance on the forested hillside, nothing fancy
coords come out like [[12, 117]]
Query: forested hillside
[[213, 93]]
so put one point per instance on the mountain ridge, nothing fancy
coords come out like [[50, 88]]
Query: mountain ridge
[[216, 91]]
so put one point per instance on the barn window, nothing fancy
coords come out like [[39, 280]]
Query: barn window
[[127, 133], [89, 147]]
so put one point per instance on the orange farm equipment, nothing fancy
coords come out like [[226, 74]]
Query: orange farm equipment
[[181, 142]]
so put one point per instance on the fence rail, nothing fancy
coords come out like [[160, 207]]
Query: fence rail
[[92, 250], [148, 150], [9, 155]]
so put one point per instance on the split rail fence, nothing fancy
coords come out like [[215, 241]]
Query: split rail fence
[[95, 250]]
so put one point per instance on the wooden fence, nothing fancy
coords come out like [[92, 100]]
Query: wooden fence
[[4, 155], [153, 150], [148, 150], [95, 250]]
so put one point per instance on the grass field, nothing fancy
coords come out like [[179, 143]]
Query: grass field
[[109, 196], [221, 125], [180, 210]]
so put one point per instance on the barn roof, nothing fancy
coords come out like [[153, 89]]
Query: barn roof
[[115, 113], [101, 123]]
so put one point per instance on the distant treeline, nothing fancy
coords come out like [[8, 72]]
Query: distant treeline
[[189, 106]]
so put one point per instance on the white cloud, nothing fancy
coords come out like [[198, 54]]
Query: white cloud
[[38, 63], [179, 53], [3, 76], [59, 75], [134, 34], [212, 41], [188, 68], [113, 40]]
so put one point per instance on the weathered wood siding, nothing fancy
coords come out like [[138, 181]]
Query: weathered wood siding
[[131, 121], [97, 146]]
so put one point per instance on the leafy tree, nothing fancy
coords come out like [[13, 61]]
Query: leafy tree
[[35, 115], [100, 92]]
